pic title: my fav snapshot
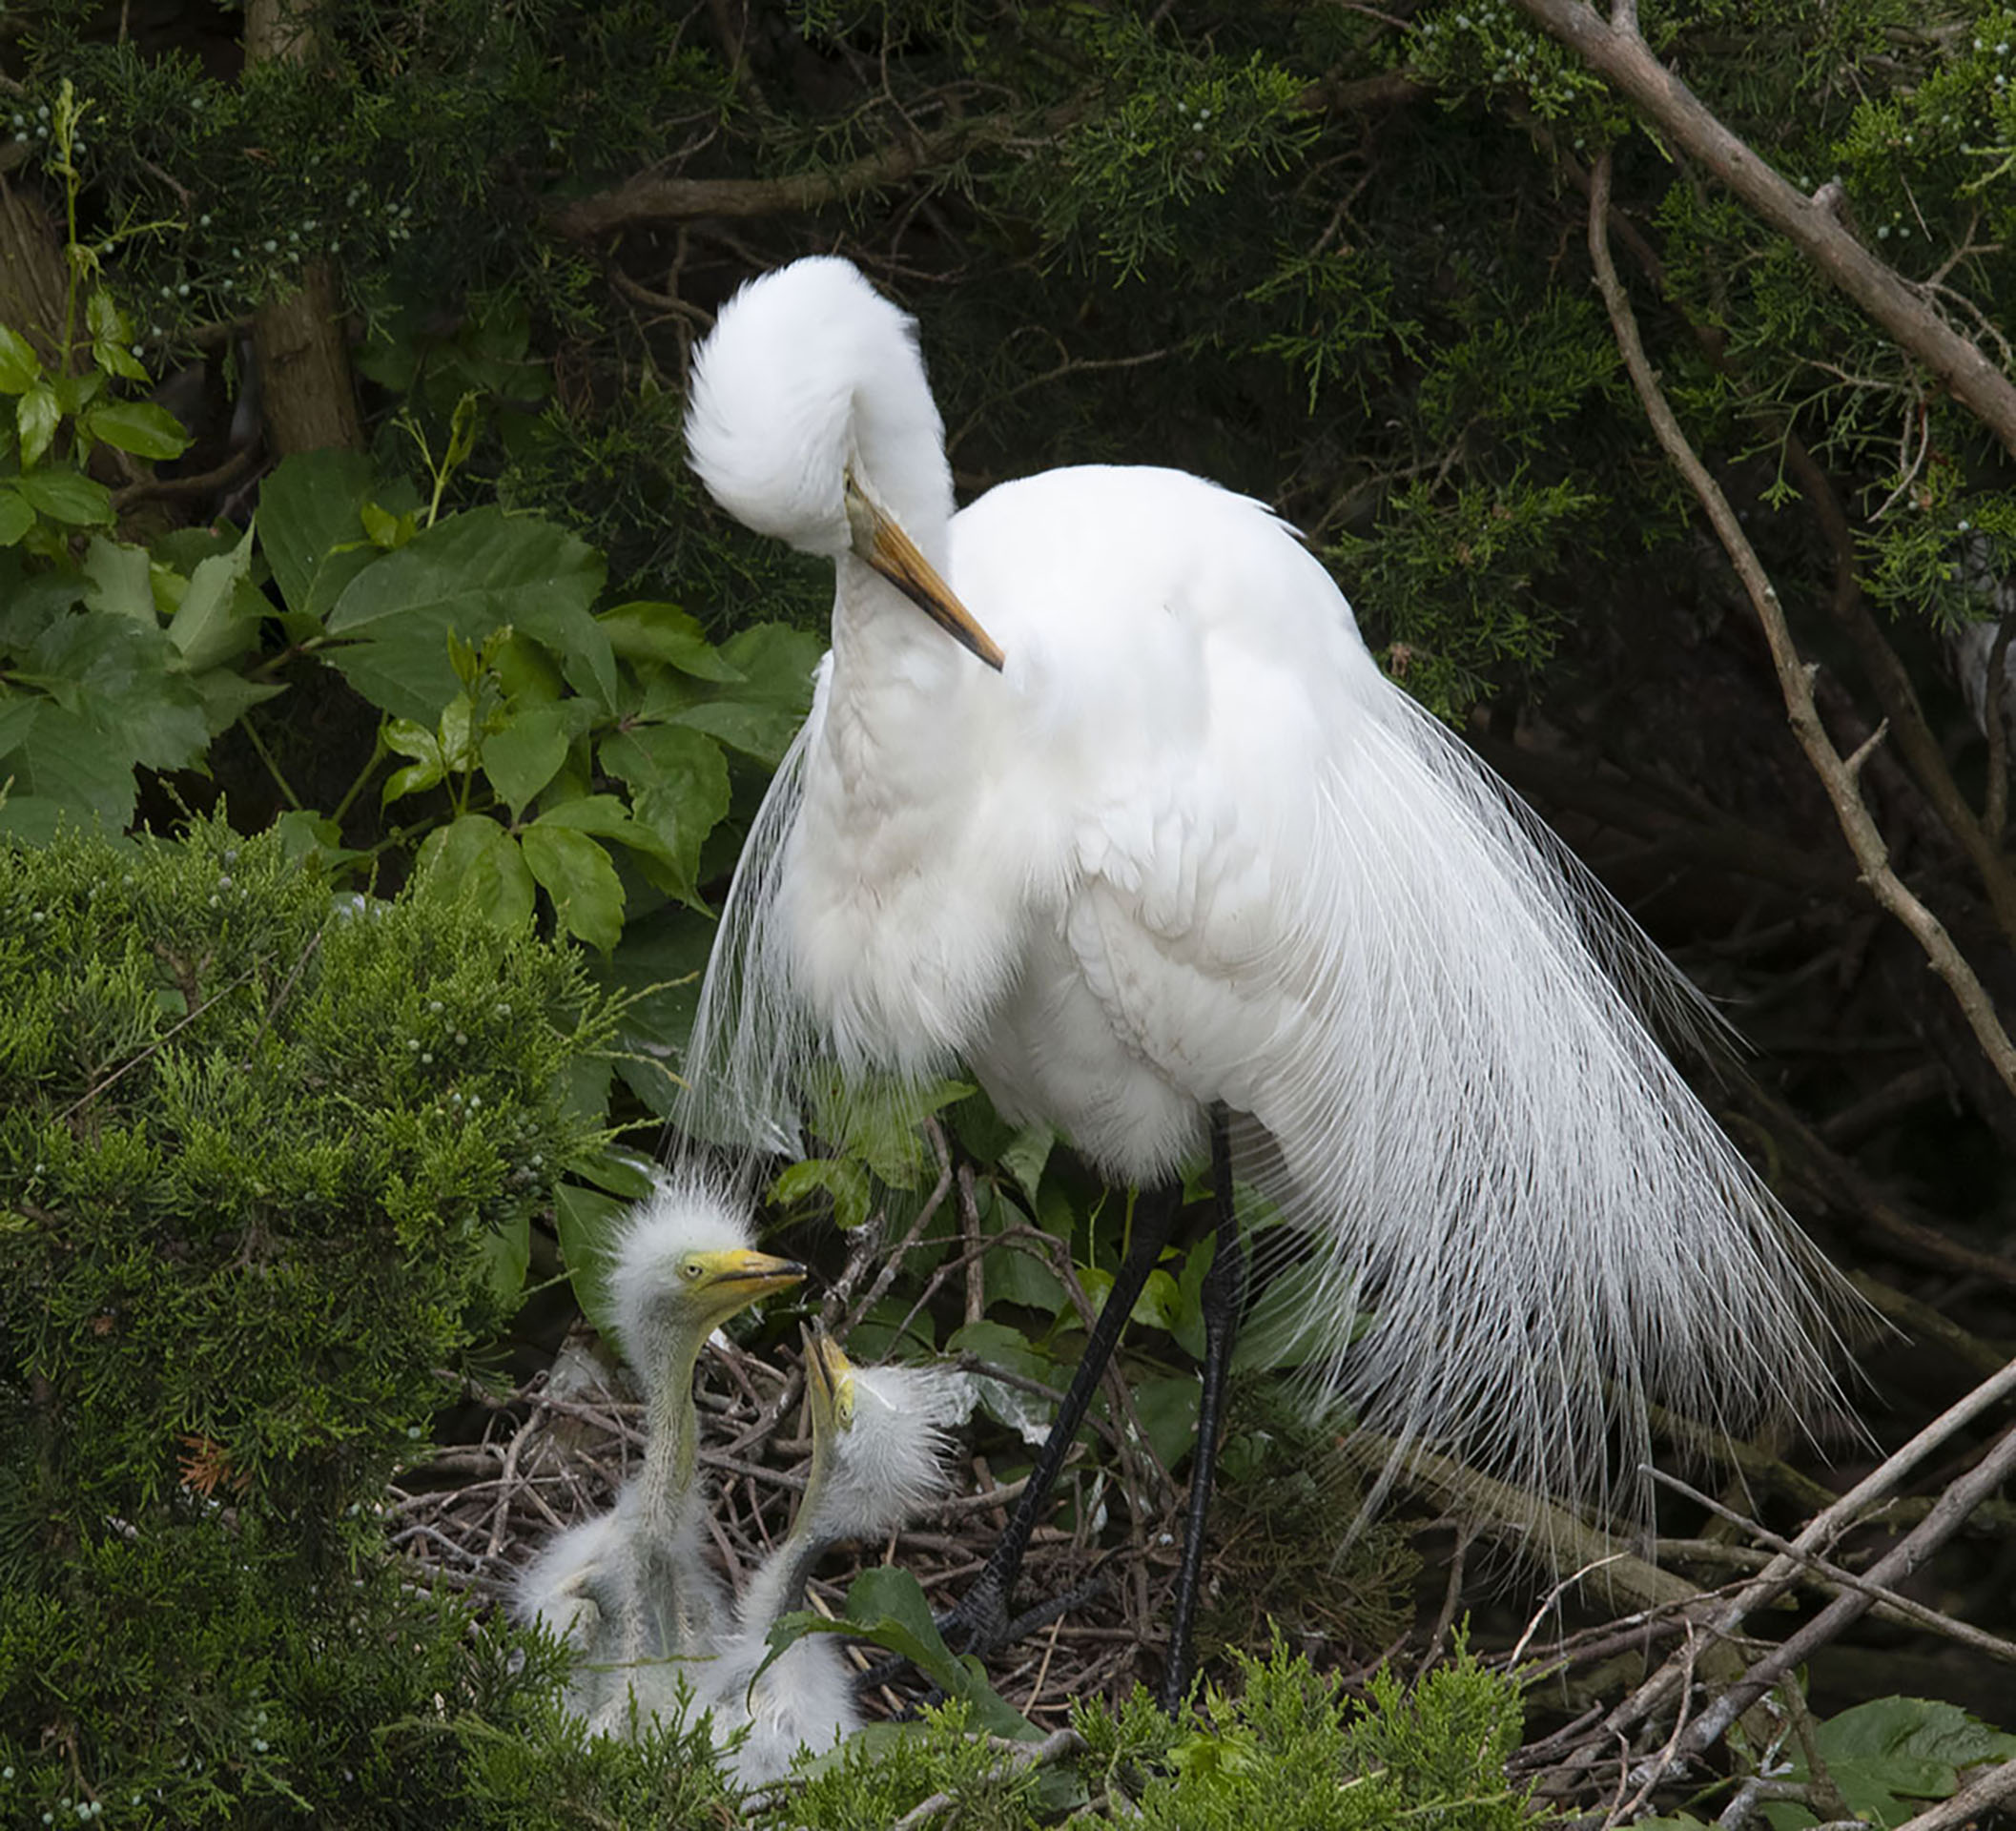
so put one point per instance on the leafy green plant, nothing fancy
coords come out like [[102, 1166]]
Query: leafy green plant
[[269, 1160], [1889, 1756], [61, 411]]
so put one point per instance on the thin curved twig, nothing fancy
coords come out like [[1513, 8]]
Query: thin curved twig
[[1837, 774]]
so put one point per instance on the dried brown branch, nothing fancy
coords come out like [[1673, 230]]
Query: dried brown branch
[[1795, 681], [1783, 1571], [1894, 1566], [1896, 695], [1887, 1602], [1616, 52]]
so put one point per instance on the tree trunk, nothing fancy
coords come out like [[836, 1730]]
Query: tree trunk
[[306, 391], [32, 281]]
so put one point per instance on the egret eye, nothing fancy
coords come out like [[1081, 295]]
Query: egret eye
[[690, 1271]]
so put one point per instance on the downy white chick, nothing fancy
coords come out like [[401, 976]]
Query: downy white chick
[[628, 1589], [878, 1459]]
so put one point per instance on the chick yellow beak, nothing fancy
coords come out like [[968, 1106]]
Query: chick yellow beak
[[829, 1383], [879, 539], [732, 1280]]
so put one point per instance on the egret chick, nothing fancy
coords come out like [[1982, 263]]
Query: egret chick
[[632, 1583], [878, 1458]]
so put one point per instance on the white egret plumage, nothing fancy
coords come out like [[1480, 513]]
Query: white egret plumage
[[878, 1460], [1150, 838], [628, 1589]]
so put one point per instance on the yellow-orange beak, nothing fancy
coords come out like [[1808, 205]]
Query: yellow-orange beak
[[732, 1280], [880, 540], [828, 1380]]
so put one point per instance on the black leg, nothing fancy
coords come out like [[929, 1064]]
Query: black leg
[[978, 1624], [1223, 1298]]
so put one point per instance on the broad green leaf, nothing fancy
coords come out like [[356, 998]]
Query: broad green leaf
[[843, 1182], [37, 415], [67, 496], [776, 662], [384, 529], [310, 531], [138, 427], [618, 1172], [1187, 1324], [756, 729], [102, 315], [76, 392], [121, 581], [761, 715], [474, 856], [35, 817], [879, 1118], [577, 875], [526, 754], [467, 576], [1159, 1302], [64, 761], [679, 788], [587, 1221], [227, 696], [506, 1253], [121, 678], [20, 367], [1289, 1324], [307, 837], [457, 734], [1025, 1156], [1167, 1410], [218, 618], [114, 356], [658, 967], [1890, 1755], [18, 712], [598, 813], [16, 517], [663, 633], [416, 778], [1013, 1274], [1009, 1348], [887, 1607], [404, 737]]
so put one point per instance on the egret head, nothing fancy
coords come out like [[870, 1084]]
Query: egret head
[[887, 1430], [810, 419], [685, 1264]]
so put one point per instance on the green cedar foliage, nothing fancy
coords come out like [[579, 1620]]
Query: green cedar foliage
[[267, 1163]]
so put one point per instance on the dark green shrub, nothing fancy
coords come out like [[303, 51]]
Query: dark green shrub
[[267, 1165]]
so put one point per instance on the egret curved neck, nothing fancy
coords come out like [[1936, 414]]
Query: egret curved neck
[[673, 1440], [779, 1586]]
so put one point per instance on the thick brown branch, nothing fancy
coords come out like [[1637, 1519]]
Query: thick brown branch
[[1889, 1571], [649, 199], [1858, 826], [1617, 53]]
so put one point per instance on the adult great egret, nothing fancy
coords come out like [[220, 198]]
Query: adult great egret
[[1131, 823]]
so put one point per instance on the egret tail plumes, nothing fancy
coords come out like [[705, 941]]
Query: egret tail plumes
[[1189, 850], [1480, 1145]]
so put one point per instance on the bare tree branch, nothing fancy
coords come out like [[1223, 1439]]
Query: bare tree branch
[[1617, 53], [1871, 853]]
